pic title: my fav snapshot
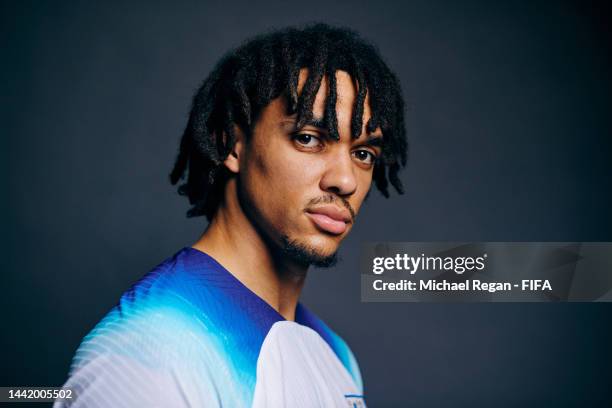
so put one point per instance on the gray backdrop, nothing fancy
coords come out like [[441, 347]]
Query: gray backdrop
[[508, 116]]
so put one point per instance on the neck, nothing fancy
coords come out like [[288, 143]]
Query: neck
[[233, 241]]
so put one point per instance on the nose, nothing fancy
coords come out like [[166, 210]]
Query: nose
[[339, 177]]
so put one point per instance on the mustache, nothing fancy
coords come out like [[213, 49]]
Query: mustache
[[332, 199]]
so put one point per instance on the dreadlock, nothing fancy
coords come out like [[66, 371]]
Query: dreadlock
[[245, 81]]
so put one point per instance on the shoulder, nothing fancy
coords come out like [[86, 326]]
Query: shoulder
[[155, 347], [151, 357], [165, 319]]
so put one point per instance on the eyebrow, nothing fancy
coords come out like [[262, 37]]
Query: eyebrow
[[375, 140], [317, 122]]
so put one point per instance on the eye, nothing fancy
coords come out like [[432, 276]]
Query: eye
[[364, 156], [306, 140]]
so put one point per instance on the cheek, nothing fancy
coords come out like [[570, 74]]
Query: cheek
[[283, 171], [280, 181]]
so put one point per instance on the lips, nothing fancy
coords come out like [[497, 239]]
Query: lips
[[330, 218]]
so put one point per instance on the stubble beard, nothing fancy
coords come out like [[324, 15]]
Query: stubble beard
[[306, 255], [299, 252]]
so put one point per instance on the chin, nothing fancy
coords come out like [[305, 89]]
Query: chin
[[317, 252]]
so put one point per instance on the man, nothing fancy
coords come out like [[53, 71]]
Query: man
[[283, 142]]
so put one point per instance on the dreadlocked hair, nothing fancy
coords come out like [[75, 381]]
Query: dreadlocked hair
[[248, 78]]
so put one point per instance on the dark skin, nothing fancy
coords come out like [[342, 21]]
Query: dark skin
[[279, 177]]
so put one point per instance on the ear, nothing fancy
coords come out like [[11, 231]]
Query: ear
[[232, 161]]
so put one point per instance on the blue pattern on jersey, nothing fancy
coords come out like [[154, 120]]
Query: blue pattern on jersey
[[191, 314]]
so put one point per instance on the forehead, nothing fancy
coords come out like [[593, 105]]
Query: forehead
[[346, 91]]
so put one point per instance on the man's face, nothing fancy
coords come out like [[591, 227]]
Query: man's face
[[303, 189]]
